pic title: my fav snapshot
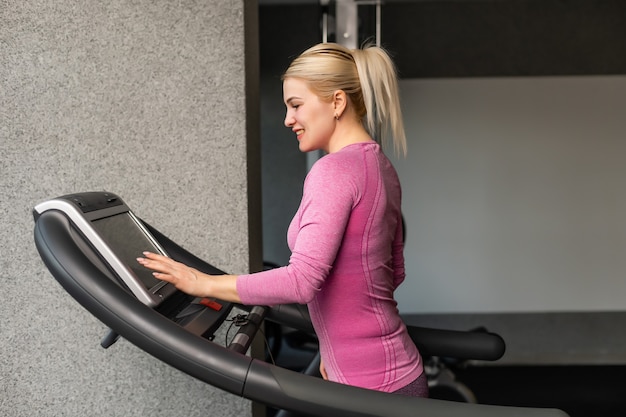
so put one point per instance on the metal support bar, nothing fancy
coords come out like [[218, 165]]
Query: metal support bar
[[347, 23]]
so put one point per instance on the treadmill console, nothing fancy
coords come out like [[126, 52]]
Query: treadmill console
[[111, 236], [117, 236]]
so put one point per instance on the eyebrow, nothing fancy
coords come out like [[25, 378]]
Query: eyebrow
[[290, 99]]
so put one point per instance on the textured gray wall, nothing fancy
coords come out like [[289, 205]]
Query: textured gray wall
[[146, 99]]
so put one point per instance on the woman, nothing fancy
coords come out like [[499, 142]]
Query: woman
[[346, 237]]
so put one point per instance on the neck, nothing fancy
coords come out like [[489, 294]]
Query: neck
[[347, 132]]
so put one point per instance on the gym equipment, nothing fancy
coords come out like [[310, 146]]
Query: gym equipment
[[178, 329]]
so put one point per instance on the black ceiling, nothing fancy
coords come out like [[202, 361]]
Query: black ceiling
[[478, 38]]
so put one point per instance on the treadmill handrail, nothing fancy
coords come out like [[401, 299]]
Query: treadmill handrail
[[218, 366], [134, 321]]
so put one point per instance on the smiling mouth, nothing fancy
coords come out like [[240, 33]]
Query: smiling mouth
[[299, 132]]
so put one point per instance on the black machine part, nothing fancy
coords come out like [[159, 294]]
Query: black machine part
[[225, 368]]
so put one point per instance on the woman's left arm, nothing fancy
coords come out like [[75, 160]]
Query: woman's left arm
[[190, 280]]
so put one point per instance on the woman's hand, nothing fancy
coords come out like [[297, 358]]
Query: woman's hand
[[183, 277], [190, 280], [323, 370]]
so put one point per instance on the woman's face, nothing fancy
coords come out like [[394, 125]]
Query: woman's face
[[312, 120]]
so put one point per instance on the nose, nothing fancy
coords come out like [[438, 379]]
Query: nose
[[289, 119]]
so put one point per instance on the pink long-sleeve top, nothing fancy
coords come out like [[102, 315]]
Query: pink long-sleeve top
[[347, 260]]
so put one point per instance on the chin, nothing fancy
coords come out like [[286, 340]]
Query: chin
[[307, 148]]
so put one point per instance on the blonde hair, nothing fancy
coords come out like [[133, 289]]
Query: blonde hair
[[367, 76]]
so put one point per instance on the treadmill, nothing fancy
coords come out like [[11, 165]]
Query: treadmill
[[88, 241]]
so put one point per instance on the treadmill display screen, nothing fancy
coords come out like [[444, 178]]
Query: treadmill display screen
[[128, 241]]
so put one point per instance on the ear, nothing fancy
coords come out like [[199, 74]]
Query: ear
[[340, 102]]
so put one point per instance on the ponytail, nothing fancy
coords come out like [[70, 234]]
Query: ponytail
[[379, 87]]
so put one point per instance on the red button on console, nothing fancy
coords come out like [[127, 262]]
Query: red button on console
[[212, 304]]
